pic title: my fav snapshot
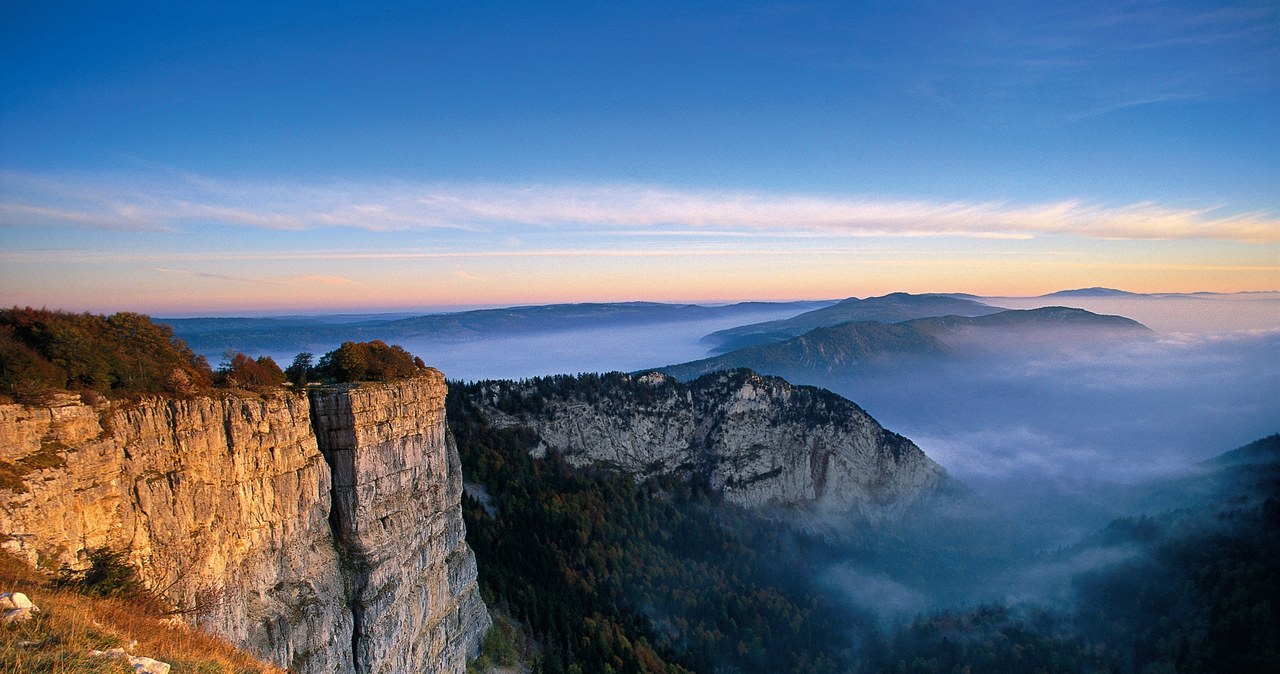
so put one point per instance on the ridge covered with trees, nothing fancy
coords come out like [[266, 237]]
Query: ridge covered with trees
[[44, 351]]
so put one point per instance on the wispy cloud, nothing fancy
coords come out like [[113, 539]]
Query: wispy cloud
[[108, 216], [213, 276], [178, 203], [320, 280]]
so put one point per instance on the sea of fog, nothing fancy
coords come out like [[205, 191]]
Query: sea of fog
[[1050, 444], [570, 352], [1074, 416]]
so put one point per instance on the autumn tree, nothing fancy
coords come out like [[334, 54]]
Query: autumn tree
[[368, 361], [241, 371], [43, 350]]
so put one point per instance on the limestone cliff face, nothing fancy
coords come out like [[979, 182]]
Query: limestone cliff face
[[222, 503], [225, 506], [759, 439], [411, 579]]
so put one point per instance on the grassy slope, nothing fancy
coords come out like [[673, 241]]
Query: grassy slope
[[69, 625]]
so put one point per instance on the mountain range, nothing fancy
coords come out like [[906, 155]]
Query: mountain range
[[845, 347], [213, 336], [891, 308]]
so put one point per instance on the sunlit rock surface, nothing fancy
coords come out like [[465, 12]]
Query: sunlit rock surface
[[398, 522], [224, 505]]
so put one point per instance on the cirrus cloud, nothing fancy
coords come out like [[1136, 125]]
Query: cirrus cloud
[[174, 202]]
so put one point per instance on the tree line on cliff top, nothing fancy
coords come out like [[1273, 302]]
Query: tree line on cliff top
[[123, 354]]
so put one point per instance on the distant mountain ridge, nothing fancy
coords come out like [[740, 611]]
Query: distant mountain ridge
[[1263, 451], [891, 308], [1092, 292], [849, 345], [215, 335]]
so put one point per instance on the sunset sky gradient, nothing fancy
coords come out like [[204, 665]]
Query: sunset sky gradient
[[237, 158]]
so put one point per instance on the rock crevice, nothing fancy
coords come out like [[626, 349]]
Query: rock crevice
[[396, 473]]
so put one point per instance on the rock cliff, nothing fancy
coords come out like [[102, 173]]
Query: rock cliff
[[759, 439], [226, 505], [397, 514]]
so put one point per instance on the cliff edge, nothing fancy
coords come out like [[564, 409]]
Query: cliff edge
[[397, 523], [759, 440], [230, 510]]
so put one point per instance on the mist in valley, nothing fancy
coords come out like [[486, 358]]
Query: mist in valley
[[1053, 438], [1051, 446], [569, 352], [534, 351], [1051, 434]]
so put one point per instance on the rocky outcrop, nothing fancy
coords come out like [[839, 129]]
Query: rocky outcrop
[[759, 439], [397, 520], [226, 507], [16, 607], [138, 663], [222, 504]]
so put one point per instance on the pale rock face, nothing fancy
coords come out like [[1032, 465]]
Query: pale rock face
[[759, 439], [221, 503], [224, 505], [398, 520]]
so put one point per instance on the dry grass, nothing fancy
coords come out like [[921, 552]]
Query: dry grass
[[69, 625]]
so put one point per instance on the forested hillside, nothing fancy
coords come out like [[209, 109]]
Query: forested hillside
[[609, 575], [613, 576]]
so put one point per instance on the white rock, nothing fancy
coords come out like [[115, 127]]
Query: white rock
[[16, 607], [12, 600], [759, 440], [143, 665], [140, 665]]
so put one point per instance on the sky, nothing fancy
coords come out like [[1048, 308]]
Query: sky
[[225, 158]]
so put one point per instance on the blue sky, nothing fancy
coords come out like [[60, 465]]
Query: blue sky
[[165, 157]]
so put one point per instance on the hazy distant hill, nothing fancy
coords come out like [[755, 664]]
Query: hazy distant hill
[[1249, 471], [1104, 293], [1264, 451], [215, 335], [892, 308], [1168, 312], [844, 347], [1092, 292]]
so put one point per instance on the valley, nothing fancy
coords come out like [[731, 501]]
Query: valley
[[798, 337], [748, 511]]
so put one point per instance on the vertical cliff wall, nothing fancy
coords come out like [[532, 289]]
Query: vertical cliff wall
[[397, 522], [226, 506], [222, 503]]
